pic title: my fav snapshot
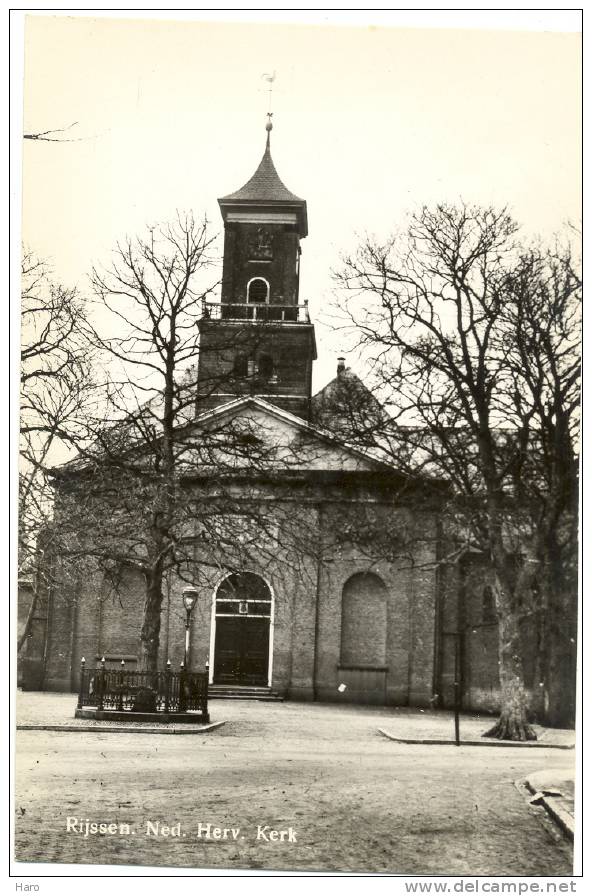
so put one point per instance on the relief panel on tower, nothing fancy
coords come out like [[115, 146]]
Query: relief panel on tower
[[260, 246]]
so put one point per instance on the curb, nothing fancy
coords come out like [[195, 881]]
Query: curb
[[562, 819], [529, 744], [124, 729]]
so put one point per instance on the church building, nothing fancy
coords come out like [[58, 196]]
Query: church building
[[367, 615]]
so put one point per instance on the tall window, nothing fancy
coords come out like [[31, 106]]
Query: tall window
[[258, 291]]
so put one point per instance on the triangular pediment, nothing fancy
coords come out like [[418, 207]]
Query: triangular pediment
[[280, 440]]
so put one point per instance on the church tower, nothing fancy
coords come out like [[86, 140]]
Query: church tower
[[258, 340]]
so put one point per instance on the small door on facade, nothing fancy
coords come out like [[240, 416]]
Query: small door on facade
[[243, 616]]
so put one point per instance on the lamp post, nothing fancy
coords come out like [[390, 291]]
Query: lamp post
[[457, 682], [190, 596]]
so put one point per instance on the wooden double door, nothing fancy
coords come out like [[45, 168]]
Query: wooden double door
[[242, 650]]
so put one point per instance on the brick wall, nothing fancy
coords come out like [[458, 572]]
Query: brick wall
[[423, 619], [317, 639], [448, 623], [363, 621], [410, 617], [62, 620]]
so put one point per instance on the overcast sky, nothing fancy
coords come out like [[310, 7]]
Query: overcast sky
[[368, 123]]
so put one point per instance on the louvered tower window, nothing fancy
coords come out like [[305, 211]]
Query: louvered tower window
[[258, 291]]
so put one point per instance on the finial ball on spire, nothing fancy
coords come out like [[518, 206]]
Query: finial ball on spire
[[269, 122]]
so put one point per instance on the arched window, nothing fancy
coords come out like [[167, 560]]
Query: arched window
[[243, 594], [363, 621], [265, 366], [258, 291], [241, 365], [489, 612]]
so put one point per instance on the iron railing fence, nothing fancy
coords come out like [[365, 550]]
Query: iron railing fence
[[120, 690], [257, 312]]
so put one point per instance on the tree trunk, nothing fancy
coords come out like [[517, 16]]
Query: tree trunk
[[513, 721], [150, 633], [164, 505]]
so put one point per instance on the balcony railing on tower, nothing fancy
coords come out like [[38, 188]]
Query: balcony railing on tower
[[264, 312]]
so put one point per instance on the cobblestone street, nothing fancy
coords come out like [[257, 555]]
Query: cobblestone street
[[353, 800]]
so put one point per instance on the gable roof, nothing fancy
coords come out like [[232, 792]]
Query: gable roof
[[266, 440]]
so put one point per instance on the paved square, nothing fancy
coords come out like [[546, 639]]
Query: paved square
[[347, 798]]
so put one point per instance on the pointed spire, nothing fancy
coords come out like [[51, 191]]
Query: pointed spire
[[265, 184], [265, 187]]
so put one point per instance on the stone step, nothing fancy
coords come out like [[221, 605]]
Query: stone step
[[235, 692]]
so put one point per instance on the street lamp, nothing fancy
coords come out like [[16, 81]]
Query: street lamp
[[190, 596]]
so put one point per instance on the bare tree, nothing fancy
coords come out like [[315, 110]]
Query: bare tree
[[51, 136], [151, 292], [153, 492], [474, 344], [544, 316], [55, 392]]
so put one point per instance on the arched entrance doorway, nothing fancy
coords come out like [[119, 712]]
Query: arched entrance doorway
[[242, 630]]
